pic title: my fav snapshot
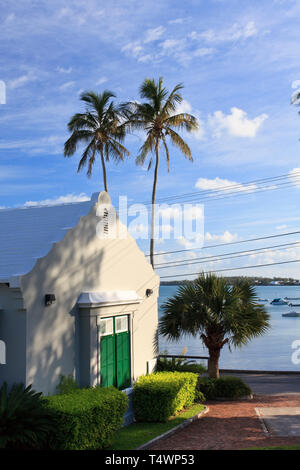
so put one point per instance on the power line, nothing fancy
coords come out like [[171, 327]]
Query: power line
[[223, 193], [233, 269], [227, 244], [224, 256], [236, 185]]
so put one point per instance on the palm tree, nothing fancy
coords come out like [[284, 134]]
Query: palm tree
[[99, 128], [157, 118], [218, 312]]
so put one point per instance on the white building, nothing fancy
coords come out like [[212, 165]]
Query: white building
[[73, 302]]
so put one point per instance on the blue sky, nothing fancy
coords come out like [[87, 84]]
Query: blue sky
[[237, 60]]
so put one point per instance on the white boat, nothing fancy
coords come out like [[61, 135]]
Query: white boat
[[279, 301], [263, 300], [291, 314]]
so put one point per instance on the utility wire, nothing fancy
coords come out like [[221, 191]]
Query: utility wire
[[232, 269], [236, 185], [227, 244], [237, 254]]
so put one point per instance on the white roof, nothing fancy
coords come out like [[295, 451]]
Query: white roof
[[28, 233], [116, 297]]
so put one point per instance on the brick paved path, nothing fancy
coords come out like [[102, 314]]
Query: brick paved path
[[230, 425]]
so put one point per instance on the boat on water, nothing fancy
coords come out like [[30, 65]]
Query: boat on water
[[291, 314], [279, 301], [291, 298], [294, 305], [263, 300]]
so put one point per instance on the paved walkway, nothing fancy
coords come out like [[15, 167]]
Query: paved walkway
[[231, 425], [271, 384]]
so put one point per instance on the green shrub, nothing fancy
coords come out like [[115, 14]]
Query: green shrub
[[179, 365], [224, 387], [24, 422], [86, 418], [67, 384], [162, 394]]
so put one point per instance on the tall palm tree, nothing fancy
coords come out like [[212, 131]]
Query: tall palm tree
[[99, 128], [216, 311], [157, 117]]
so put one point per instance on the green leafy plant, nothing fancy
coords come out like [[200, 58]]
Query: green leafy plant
[[223, 387], [86, 418], [67, 384], [217, 312], [162, 394], [178, 364], [24, 422]]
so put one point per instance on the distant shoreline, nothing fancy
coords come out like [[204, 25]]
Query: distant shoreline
[[264, 282]]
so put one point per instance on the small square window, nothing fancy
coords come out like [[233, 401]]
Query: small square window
[[106, 326], [121, 324]]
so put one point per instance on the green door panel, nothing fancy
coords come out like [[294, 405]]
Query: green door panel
[[115, 359], [123, 360], [107, 361]]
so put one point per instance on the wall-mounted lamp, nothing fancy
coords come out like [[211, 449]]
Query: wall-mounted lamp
[[49, 299], [149, 292]]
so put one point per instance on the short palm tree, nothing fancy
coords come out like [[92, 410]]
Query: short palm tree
[[216, 311], [157, 117], [99, 128]]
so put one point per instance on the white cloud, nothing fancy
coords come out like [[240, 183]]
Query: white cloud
[[234, 33], [69, 198], [186, 107], [67, 85], [226, 237], [176, 21], [236, 123], [281, 227], [221, 184], [172, 43], [133, 48], [154, 34], [101, 80], [203, 51], [22, 80], [64, 70], [295, 176]]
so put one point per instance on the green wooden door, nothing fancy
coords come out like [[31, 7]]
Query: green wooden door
[[115, 352], [107, 352]]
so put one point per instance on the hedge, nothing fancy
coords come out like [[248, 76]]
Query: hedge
[[86, 418], [223, 387], [164, 364], [162, 394]]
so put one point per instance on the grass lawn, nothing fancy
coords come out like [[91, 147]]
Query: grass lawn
[[136, 434]]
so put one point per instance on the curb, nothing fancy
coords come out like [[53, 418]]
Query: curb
[[262, 422], [173, 430], [244, 398]]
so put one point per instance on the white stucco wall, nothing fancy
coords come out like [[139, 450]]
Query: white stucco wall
[[82, 262], [13, 335]]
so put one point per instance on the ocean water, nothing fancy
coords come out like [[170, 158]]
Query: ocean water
[[273, 351]]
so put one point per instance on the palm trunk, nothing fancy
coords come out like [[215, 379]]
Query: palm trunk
[[103, 170], [153, 207], [213, 363]]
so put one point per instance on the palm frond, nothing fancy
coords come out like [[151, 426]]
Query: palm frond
[[167, 152], [146, 148], [88, 153], [180, 143], [173, 99], [75, 139], [183, 121]]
